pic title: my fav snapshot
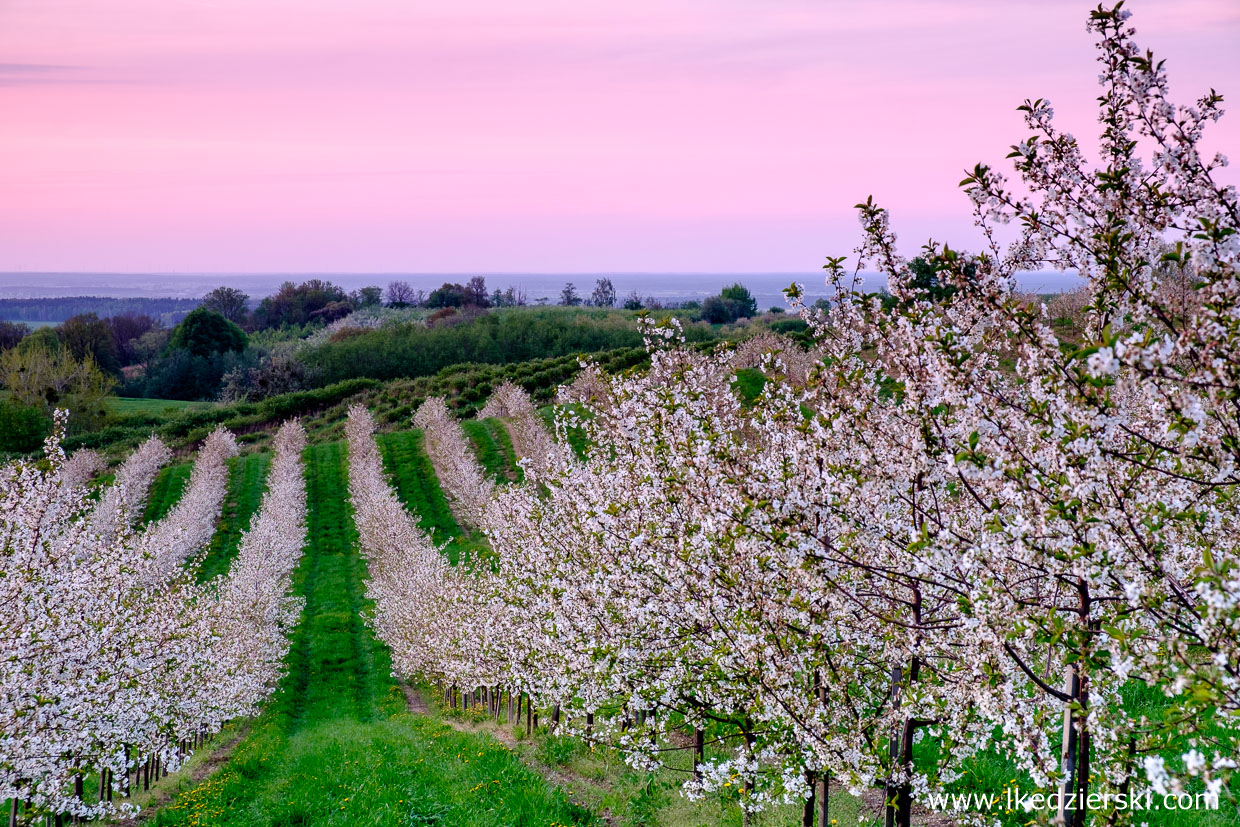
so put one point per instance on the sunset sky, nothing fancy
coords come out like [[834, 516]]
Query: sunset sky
[[530, 135]]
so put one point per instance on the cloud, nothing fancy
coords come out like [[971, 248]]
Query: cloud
[[35, 74]]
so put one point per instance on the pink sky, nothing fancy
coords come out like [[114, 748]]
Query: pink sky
[[535, 136]]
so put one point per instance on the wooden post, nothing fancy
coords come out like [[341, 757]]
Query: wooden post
[[1067, 754], [13, 812]]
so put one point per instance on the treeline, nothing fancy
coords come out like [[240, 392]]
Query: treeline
[[302, 337], [63, 308]]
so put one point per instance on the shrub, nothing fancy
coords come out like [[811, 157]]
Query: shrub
[[22, 427]]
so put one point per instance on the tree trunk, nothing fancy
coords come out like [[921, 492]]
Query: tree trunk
[[807, 811], [699, 752], [824, 800]]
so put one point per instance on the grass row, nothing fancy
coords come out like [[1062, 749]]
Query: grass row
[[413, 478], [493, 447], [167, 489], [247, 482], [336, 746]]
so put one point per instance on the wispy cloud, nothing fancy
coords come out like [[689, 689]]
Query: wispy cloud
[[33, 74]]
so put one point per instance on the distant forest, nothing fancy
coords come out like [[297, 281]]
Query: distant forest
[[170, 311]]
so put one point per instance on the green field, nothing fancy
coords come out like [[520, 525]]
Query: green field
[[413, 478], [337, 746], [126, 406]]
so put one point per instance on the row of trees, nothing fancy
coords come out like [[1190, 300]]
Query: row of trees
[[955, 536], [114, 661], [732, 303], [320, 301]]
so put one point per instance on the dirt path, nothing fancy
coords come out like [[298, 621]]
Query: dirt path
[[166, 789]]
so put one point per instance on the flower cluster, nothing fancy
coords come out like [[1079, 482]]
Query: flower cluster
[[467, 487], [111, 656], [953, 523], [252, 612], [426, 610], [170, 542], [530, 438]]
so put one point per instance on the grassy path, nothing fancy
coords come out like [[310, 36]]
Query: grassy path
[[493, 447], [247, 482], [413, 478], [166, 490], [336, 745]]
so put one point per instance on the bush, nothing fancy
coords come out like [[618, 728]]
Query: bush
[[22, 427], [504, 337], [204, 332], [180, 374]]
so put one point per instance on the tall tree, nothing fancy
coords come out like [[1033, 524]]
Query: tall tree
[[604, 294], [204, 332], [476, 291], [127, 329], [49, 378], [11, 333], [88, 335], [229, 302], [367, 296], [399, 294]]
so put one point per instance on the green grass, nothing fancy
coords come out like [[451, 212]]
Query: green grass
[[575, 437], [413, 478], [493, 447], [336, 745], [748, 384], [247, 481], [126, 405], [598, 778], [168, 487], [991, 772], [503, 441]]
